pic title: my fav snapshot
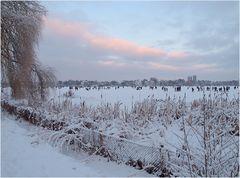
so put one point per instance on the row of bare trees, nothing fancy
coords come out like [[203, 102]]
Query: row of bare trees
[[20, 31]]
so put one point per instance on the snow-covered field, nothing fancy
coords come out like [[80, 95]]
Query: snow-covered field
[[128, 95], [25, 154]]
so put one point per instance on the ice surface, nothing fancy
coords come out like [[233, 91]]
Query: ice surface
[[128, 95]]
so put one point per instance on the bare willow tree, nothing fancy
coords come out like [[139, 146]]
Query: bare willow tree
[[20, 30]]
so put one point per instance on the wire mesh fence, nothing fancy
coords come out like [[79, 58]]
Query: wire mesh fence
[[123, 150]]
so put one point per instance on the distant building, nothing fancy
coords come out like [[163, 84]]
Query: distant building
[[194, 78], [190, 79]]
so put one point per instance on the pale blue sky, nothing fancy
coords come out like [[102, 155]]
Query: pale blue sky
[[199, 38]]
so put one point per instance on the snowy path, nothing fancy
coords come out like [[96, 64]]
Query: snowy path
[[24, 154]]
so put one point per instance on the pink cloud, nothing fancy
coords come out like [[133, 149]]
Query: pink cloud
[[83, 31], [68, 29], [174, 68], [206, 67], [124, 46], [177, 55], [111, 63], [159, 66]]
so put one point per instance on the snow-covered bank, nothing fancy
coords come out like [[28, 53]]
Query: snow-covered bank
[[25, 154], [199, 138]]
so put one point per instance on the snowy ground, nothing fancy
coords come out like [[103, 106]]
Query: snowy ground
[[24, 154], [151, 118], [128, 95]]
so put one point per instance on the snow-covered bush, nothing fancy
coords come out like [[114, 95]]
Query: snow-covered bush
[[69, 93], [210, 146]]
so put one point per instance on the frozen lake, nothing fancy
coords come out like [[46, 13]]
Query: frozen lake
[[128, 95]]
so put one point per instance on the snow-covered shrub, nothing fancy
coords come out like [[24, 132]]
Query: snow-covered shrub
[[69, 93], [210, 145], [172, 109], [130, 121], [145, 110], [116, 110], [67, 139]]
